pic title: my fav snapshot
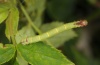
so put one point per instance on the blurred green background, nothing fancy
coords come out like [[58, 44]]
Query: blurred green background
[[83, 49], [82, 45]]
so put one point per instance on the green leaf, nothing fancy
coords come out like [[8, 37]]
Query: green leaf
[[42, 54], [4, 10], [25, 32], [60, 38], [3, 16], [4, 7], [40, 7], [12, 22], [20, 60], [36, 9], [6, 53], [16, 63]]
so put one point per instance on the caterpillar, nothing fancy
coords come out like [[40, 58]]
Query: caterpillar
[[54, 31]]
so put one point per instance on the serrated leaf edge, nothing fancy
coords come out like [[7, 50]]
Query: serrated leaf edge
[[55, 50], [9, 58]]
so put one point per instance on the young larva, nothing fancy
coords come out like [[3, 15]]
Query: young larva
[[54, 31]]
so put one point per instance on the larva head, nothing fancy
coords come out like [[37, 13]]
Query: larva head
[[81, 23]]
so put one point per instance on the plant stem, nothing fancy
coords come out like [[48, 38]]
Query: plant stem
[[13, 40], [29, 19], [31, 22]]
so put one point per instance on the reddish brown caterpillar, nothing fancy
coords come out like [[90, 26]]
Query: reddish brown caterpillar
[[54, 31]]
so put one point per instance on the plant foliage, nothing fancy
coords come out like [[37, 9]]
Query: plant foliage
[[25, 18]]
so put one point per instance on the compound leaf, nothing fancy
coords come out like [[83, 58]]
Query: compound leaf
[[4, 6], [42, 54], [3, 16], [6, 52], [12, 22], [4, 10]]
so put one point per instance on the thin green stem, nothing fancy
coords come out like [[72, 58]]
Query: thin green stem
[[29, 19], [13, 40], [31, 22]]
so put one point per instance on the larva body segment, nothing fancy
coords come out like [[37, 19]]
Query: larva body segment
[[54, 31]]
